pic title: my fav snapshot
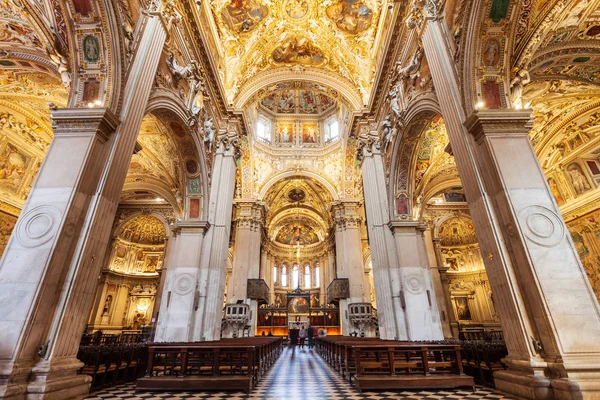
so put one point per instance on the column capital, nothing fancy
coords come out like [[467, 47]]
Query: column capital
[[228, 144], [84, 121], [249, 214], [404, 226], [424, 10], [345, 214], [501, 122]]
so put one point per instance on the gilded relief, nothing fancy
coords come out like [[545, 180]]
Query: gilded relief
[[298, 51], [7, 224], [296, 9], [350, 16], [585, 232], [243, 15], [13, 165]]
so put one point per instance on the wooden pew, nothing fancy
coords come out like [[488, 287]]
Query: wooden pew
[[371, 363], [227, 364]]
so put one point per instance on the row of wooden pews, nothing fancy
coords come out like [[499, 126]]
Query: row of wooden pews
[[371, 363], [111, 365], [227, 364]]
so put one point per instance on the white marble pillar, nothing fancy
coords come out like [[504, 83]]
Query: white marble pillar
[[349, 260], [211, 282], [249, 220], [549, 314], [445, 282], [167, 252], [439, 289], [417, 294], [63, 231], [391, 315], [179, 299]]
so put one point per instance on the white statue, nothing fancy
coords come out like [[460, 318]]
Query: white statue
[[395, 104], [516, 88], [62, 64], [579, 182], [179, 72], [198, 102], [209, 131], [386, 127]]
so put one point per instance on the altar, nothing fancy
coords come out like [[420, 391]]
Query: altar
[[297, 310]]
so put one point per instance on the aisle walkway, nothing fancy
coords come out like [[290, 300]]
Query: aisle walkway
[[299, 374]]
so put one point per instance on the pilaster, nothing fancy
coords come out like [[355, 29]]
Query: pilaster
[[249, 222], [349, 260], [548, 312], [390, 313], [179, 298], [211, 282]]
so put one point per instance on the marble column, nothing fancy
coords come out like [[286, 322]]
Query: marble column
[[439, 289], [179, 299], [161, 284], [207, 321], [52, 262], [249, 220], [445, 282], [349, 258], [549, 314], [418, 297], [391, 315]]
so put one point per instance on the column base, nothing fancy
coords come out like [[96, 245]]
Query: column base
[[535, 386], [13, 380], [57, 381]]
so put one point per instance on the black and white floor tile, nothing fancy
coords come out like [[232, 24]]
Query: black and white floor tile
[[299, 374]]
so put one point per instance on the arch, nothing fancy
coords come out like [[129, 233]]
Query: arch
[[425, 111], [165, 100], [271, 77], [117, 228], [302, 173], [157, 188]]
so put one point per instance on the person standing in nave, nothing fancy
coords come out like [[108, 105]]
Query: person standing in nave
[[302, 335], [310, 333]]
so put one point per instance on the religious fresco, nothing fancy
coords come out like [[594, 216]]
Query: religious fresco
[[7, 224], [463, 313], [310, 133], [298, 51], [585, 232], [293, 101], [243, 15], [350, 16], [285, 132], [293, 232], [296, 9]]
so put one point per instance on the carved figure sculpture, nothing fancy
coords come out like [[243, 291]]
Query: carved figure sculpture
[[209, 132], [579, 181], [179, 72], [516, 88]]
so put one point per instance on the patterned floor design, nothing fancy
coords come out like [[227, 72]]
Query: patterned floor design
[[299, 374]]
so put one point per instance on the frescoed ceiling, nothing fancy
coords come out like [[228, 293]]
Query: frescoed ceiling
[[336, 36], [144, 229], [297, 101]]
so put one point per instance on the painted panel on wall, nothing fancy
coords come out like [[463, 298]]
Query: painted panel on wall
[[585, 232], [7, 224]]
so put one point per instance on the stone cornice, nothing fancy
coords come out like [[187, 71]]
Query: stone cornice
[[84, 121], [190, 227], [499, 122]]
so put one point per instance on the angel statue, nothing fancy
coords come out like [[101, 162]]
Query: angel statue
[[180, 72], [395, 101], [209, 132], [198, 102], [516, 88], [62, 64], [388, 132]]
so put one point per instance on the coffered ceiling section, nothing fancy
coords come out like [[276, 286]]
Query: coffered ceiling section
[[335, 37]]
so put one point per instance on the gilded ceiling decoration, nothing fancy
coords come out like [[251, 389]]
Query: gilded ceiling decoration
[[144, 229], [301, 231], [336, 36], [457, 231], [297, 101]]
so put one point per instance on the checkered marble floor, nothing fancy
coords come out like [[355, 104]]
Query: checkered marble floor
[[299, 374]]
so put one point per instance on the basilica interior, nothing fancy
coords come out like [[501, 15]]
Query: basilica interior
[[178, 171]]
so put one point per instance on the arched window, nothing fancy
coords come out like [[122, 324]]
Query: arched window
[[317, 275], [295, 277], [307, 277], [284, 275], [275, 271]]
